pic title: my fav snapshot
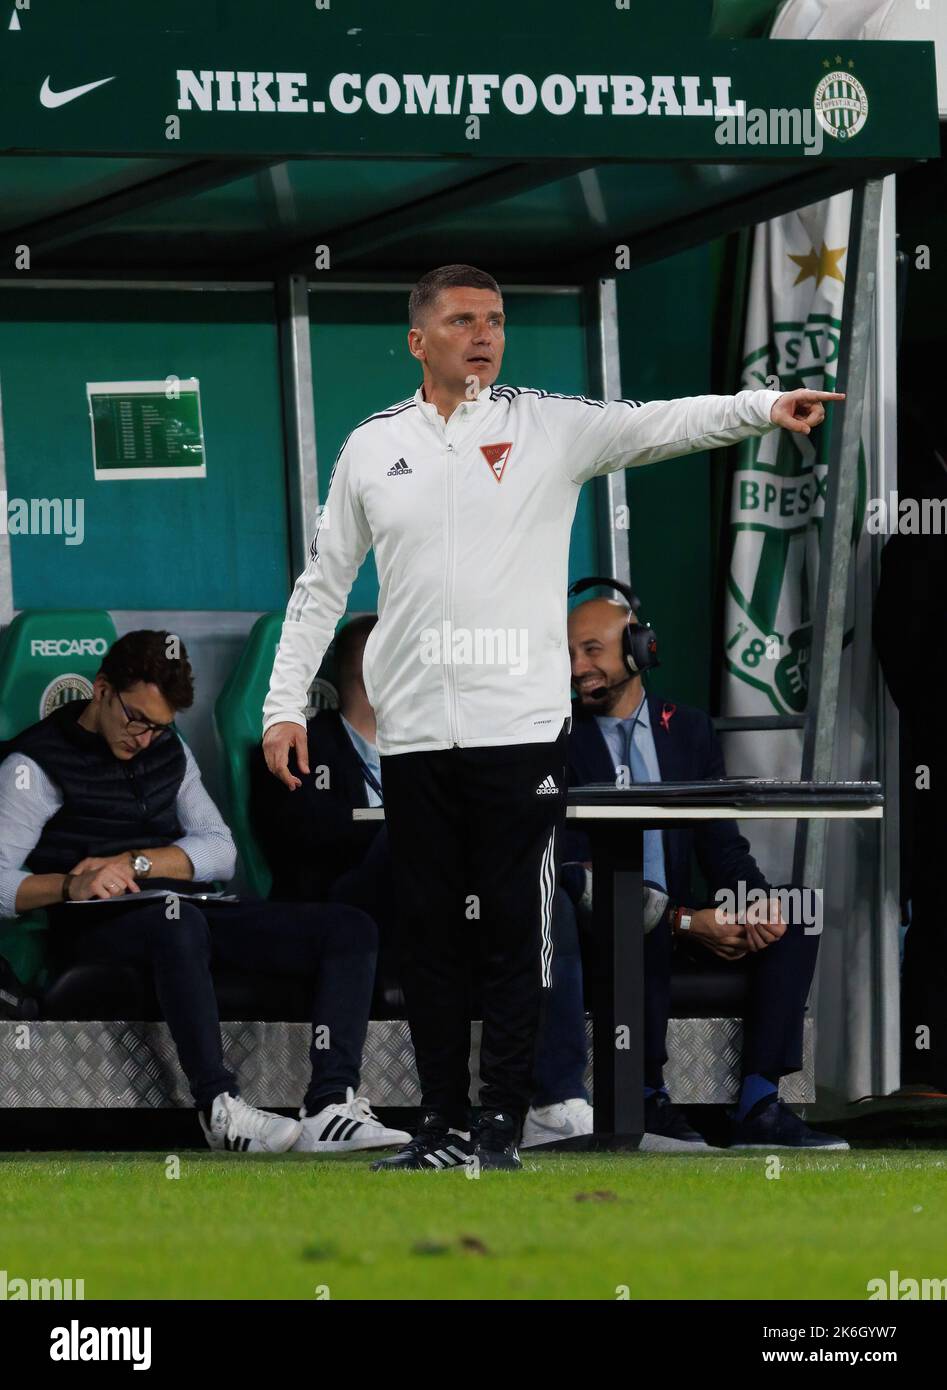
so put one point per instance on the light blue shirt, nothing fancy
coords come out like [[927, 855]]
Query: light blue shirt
[[369, 756], [641, 760]]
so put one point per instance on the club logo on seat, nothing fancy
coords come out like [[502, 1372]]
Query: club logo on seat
[[60, 691], [496, 456], [322, 695]]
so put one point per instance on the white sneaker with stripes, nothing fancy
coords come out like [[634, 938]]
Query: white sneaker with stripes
[[344, 1127], [240, 1128]]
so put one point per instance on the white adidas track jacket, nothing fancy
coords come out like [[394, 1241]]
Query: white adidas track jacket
[[470, 522]]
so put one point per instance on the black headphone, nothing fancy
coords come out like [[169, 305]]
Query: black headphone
[[639, 642]]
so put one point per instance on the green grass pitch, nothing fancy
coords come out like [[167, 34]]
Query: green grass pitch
[[567, 1227]]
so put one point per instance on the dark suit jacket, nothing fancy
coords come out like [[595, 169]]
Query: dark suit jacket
[[688, 750], [308, 835]]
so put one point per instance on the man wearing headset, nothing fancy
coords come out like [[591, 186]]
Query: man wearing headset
[[466, 491], [620, 732]]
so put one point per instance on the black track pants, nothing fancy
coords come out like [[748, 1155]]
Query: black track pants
[[473, 836]]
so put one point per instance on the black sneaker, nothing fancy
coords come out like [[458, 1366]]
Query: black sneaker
[[433, 1147], [772, 1125], [497, 1133], [667, 1130]]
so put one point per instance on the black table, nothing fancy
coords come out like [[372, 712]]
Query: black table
[[615, 819]]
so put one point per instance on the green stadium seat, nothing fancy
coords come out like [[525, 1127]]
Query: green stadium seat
[[238, 716], [47, 657], [23, 947]]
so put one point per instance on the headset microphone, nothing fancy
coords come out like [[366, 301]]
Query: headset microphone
[[601, 690]]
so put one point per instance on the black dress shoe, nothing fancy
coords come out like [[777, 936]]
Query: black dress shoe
[[667, 1130], [772, 1125], [432, 1148], [496, 1139]]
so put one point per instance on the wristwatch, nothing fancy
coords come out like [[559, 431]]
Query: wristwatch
[[141, 865], [680, 918]]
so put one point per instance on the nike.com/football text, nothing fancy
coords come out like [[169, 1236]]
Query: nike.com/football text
[[455, 94]]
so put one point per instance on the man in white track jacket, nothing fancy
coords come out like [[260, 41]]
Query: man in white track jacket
[[467, 492]]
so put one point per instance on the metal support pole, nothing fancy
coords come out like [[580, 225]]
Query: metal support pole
[[611, 494], [299, 417], [835, 548], [886, 965]]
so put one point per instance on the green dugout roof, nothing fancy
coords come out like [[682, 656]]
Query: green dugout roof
[[235, 142]]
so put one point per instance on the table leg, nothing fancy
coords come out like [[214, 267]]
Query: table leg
[[618, 996]]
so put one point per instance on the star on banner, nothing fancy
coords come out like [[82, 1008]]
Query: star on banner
[[820, 264]]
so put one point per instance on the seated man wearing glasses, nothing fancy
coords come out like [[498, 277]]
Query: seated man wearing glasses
[[101, 799]]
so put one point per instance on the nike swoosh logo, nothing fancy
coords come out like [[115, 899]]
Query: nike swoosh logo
[[52, 99]]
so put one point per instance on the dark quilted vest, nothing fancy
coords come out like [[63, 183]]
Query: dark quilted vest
[[108, 805]]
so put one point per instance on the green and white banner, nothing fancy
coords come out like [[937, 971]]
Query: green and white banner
[[794, 318], [777, 503]]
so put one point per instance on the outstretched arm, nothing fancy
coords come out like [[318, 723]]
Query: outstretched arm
[[595, 437]]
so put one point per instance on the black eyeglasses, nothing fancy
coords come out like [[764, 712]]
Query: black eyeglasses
[[137, 727]]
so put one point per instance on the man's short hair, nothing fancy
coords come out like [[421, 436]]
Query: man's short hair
[[446, 277], [143, 656]]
